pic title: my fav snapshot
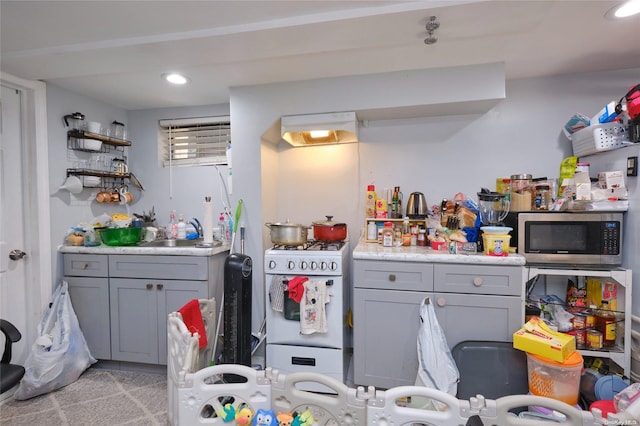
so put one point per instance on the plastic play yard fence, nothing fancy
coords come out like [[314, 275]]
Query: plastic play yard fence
[[213, 395]]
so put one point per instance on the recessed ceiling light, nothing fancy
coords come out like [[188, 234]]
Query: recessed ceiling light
[[629, 8], [176, 78]]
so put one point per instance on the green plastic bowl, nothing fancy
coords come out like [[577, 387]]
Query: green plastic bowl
[[121, 236]]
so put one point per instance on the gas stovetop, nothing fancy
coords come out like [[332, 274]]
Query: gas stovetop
[[317, 258], [312, 246]]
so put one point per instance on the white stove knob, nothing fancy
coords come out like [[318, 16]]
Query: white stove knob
[[303, 265], [333, 266], [272, 264], [291, 265], [313, 265], [323, 266]]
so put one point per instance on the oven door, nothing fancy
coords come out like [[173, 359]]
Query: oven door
[[286, 327]]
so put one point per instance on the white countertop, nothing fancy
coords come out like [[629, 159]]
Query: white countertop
[[375, 251], [164, 251]]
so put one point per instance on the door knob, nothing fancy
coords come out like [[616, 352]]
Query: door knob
[[17, 254]]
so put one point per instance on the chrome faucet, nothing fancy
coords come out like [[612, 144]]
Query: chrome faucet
[[196, 224]]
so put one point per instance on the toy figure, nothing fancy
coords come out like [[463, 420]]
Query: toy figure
[[244, 415], [227, 413], [304, 419], [264, 418], [284, 419]]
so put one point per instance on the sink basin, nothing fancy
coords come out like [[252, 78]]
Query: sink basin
[[179, 243]]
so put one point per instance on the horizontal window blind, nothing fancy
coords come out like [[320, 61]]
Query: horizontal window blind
[[195, 141]]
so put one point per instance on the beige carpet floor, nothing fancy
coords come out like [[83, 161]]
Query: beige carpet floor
[[98, 397]]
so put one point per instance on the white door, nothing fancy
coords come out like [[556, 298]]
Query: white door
[[25, 224], [13, 289]]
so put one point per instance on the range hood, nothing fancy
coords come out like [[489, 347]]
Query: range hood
[[320, 129]]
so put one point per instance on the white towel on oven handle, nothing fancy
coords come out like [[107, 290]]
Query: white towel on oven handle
[[313, 317]]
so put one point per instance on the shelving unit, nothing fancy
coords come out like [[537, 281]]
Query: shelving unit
[[398, 220], [112, 148], [622, 277]]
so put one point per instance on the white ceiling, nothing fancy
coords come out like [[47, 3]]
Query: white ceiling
[[115, 51]]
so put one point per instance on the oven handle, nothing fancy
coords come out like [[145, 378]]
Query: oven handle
[[299, 360]]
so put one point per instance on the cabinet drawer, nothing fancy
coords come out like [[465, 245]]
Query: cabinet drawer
[[393, 275], [162, 267], [86, 265], [473, 279]]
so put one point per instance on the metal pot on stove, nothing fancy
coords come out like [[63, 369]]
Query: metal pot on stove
[[329, 231], [288, 234]]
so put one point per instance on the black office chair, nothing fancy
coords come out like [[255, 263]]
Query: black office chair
[[10, 374]]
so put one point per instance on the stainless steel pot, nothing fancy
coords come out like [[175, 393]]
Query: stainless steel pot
[[288, 234]]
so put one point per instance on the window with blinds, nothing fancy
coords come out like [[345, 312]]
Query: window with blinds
[[195, 141]]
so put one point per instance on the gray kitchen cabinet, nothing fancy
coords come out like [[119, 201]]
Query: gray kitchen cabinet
[[471, 302], [122, 301], [87, 276], [139, 309]]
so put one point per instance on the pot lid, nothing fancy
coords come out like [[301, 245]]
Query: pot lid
[[486, 195], [287, 223], [329, 222]]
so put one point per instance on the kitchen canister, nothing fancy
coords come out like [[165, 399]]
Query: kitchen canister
[[557, 380]]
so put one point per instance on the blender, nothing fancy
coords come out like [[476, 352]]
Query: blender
[[493, 208]]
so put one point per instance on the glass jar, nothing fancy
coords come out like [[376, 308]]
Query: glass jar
[[422, 238], [542, 197], [520, 192]]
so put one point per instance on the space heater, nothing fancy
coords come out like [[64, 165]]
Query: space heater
[[236, 347]]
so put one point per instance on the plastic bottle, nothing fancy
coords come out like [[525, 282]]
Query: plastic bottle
[[370, 202], [372, 231], [229, 231], [606, 324], [172, 228], [222, 226], [181, 232], [387, 234]]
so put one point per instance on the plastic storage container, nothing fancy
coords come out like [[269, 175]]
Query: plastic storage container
[[496, 244], [553, 379]]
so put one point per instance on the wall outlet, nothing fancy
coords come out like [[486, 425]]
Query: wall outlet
[[632, 166]]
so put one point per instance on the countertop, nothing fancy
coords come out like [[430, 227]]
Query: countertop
[[375, 251], [164, 251]]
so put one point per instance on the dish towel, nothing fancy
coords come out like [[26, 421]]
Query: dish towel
[[296, 288], [276, 292], [313, 318], [192, 318]]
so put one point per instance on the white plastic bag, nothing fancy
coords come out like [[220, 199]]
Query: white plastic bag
[[437, 368], [60, 353]]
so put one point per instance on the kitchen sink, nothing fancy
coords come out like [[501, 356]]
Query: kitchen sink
[[179, 243]]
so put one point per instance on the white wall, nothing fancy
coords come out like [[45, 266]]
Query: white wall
[[66, 209], [439, 156], [183, 188]]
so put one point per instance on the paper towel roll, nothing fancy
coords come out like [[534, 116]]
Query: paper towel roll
[[207, 222]]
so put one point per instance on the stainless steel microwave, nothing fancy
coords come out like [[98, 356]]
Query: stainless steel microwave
[[582, 238]]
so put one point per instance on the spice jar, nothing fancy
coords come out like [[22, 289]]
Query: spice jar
[[542, 197], [387, 234], [422, 238]]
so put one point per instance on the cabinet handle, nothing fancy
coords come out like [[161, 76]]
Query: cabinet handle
[[159, 286], [477, 281], [441, 301], [84, 266], [149, 286], [392, 277]]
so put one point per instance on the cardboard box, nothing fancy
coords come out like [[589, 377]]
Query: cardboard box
[[611, 180], [538, 339], [599, 290], [583, 186]]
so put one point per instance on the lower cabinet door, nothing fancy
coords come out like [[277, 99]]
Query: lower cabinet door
[[173, 295], [134, 320], [478, 317], [90, 301], [385, 334], [139, 310]]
